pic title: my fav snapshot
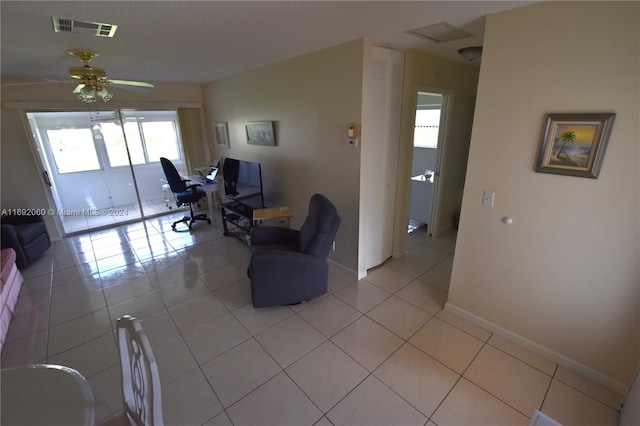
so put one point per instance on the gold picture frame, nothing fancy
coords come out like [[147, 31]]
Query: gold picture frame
[[574, 144]]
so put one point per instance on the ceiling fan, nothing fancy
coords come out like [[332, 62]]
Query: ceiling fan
[[91, 81]]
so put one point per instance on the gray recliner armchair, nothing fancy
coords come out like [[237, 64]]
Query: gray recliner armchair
[[287, 266], [27, 235]]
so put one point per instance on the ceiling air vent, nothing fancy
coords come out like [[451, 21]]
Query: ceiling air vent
[[66, 25], [440, 32]]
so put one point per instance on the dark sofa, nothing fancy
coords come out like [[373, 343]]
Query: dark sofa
[[27, 235]]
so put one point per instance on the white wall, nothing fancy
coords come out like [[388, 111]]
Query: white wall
[[312, 99], [565, 275], [19, 175]]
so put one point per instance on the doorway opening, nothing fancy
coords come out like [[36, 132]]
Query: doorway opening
[[428, 136], [105, 169]]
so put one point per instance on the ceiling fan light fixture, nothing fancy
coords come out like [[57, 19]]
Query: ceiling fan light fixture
[[87, 94], [104, 94], [91, 92], [471, 54]]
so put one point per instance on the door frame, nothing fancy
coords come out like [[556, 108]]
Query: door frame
[[45, 161], [439, 173], [406, 160], [42, 146]]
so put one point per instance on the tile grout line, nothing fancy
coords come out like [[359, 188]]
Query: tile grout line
[[461, 376], [544, 398]]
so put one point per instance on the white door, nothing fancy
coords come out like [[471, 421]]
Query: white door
[[73, 150], [89, 163], [382, 102], [426, 167]]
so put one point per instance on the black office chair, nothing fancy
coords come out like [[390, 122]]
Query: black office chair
[[185, 194]]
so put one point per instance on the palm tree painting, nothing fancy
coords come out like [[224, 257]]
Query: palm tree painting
[[572, 144]]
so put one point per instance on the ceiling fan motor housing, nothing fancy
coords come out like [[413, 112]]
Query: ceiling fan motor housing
[[87, 72]]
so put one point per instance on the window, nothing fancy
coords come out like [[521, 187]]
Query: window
[[79, 143], [116, 148], [160, 139], [150, 135], [68, 145], [426, 131]]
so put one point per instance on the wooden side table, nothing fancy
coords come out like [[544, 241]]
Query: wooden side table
[[274, 213]]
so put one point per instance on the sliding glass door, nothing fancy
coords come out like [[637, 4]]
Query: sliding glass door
[[106, 170]]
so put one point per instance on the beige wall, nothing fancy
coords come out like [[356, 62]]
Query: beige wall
[[19, 175], [565, 275], [312, 99], [424, 71]]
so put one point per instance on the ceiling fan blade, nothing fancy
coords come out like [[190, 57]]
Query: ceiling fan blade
[[33, 83], [78, 88], [130, 83]]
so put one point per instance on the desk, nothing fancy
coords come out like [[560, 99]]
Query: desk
[[45, 394], [212, 190], [213, 196], [277, 213]]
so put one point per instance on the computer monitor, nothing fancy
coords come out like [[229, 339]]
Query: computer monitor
[[243, 181]]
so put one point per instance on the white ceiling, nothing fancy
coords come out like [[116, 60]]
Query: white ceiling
[[201, 41]]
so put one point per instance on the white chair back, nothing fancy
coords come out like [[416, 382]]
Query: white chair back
[[140, 377]]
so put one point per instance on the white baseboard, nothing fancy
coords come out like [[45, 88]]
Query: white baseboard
[[556, 357], [343, 268]]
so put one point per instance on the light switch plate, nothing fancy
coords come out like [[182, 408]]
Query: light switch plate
[[487, 198]]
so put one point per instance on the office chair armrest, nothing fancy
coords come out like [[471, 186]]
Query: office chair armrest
[[193, 186]]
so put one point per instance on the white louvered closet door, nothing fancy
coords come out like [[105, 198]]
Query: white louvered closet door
[[380, 144]]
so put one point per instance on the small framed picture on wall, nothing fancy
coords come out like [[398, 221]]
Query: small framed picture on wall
[[221, 133]]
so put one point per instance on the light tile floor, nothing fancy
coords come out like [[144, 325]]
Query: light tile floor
[[380, 351], [119, 214]]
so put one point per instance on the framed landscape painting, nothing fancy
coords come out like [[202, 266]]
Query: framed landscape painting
[[260, 133], [574, 144]]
